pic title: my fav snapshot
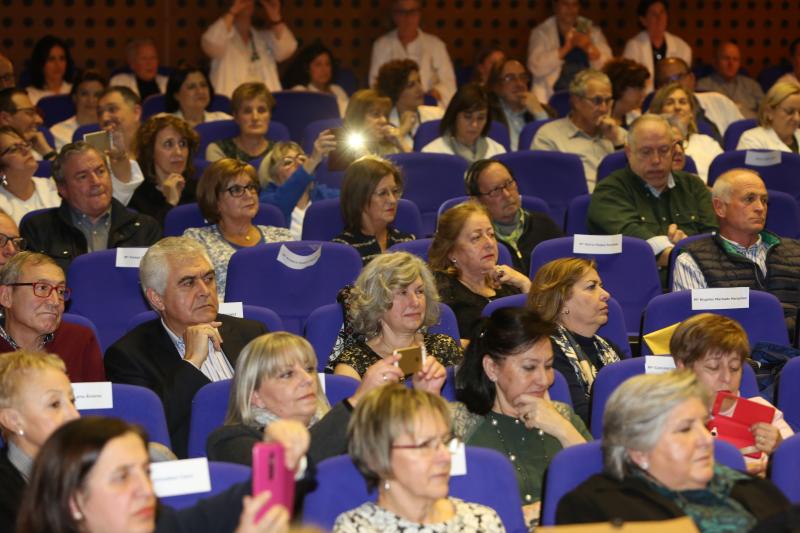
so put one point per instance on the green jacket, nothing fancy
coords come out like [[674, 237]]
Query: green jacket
[[621, 203]]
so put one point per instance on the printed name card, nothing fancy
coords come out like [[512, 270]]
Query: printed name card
[[762, 159], [709, 299], [129, 257], [458, 461], [176, 478], [93, 395], [297, 261], [658, 364], [597, 244], [234, 309]]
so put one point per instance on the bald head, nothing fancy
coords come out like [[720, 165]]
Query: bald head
[[674, 69], [728, 60], [740, 202], [6, 73]]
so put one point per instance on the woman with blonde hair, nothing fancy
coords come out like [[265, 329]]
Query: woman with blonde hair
[[368, 115], [674, 100], [777, 121], [463, 257], [569, 293]]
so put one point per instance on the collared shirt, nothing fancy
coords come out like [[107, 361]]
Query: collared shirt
[[20, 460], [45, 339], [563, 135], [96, 233], [516, 121], [659, 243], [744, 91], [687, 274], [216, 367]]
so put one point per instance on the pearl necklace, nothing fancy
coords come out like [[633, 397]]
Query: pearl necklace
[[526, 483]]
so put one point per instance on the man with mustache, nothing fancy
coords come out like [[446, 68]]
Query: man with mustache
[[493, 185], [119, 112], [190, 344], [89, 219], [743, 253]]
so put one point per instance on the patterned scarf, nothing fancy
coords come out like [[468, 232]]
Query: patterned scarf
[[581, 364]]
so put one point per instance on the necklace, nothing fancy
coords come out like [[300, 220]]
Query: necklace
[[523, 474]]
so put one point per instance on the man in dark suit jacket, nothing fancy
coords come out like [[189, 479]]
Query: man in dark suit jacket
[[190, 345]]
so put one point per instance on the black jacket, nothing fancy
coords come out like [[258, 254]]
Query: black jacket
[[538, 227], [53, 233], [12, 485], [147, 357]]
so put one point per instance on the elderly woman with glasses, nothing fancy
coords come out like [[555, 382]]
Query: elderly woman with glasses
[[371, 190], [21, 192], [289, 181], [32, 293], [778, 121], [674, 100], [228, 198], [659, 464], [401, 442]]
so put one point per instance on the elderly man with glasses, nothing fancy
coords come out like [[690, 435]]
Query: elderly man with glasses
[[10, 241], [89, 219], [647, 199], [491, 183], [588, 131], [32, 293]]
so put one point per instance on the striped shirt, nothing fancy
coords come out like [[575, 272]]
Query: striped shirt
[[216, 367], [687, 274]]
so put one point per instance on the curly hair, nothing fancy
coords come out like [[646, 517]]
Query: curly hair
[[374, 289], [145, 143]]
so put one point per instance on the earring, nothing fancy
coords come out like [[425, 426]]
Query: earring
[[453, 260], [3, 180], [77, 516], [645, 465], [386, 485], [565, 311], [20, 432]]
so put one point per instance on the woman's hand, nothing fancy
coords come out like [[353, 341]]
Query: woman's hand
[[539, 413], [293, 436], [767, 437], [431, 377], [172, 188], [378, 375], [276, 520], [324, 144], [507, 275], [408, 120]]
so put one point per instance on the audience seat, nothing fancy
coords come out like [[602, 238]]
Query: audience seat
[[559, 101], [157, 103], [430, 179], [611, 376], [763, 321], [613, 330], [631, 277], [789, 393], [137, 405], [323, 220], [783, 215], [554, 177], [324, 323], [572, 466], [223, 476], [735, 129], [490, 480], [81, 321], [785, 467], [297, 109], [107, 295], [420, 247], [268, 317], [577, 215], [223, 129], [56, 108], [780, 176], [528, 132], [182, 217], [429, 131], [260, 276], [44, 169]]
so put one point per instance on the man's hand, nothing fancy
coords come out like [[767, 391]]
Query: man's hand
[[674, 234], [196, 340], [663, 258]]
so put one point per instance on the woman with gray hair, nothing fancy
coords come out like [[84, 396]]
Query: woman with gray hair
[[392, 300], [401, 441], [659, 463]]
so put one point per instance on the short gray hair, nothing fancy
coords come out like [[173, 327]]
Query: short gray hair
[[66, 153], [577, 87], [373, 291], [723, 185], [636, 412], [641, 121], [12, 270], [155, 265]]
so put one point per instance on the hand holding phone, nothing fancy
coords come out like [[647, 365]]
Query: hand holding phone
[[411, 359], [270, 474]]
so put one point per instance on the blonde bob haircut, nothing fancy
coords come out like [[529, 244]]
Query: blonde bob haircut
[[373, 291], [637, 411], [382, 416], [708, 335], [448, 228], [267, 356], [361, 104], [273, 159], [777, 94], [657, 105], [20, 367], [552, 285]]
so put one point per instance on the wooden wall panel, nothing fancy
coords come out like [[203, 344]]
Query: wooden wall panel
[[98, 29]]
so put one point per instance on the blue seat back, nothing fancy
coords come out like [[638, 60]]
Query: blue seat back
[[182, 217], [781, 176], [56, 108], [528, 133], [312, 131], [785, 466], [559, 101], [296, 109], [428, 132], [789, 392], [223, 476], [730, 139], [223, 129], [783, 215]]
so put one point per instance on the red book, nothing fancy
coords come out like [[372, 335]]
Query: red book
[[733, 416]]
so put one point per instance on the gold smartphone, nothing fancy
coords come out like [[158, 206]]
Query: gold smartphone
[[411, 360]]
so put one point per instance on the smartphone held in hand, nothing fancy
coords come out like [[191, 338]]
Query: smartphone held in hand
[[270, 473]]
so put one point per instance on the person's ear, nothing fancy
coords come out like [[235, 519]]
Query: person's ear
[[490, 368], [639, 458], [255, 399], [137, 111], [6, 297], [156, 300], [75, 506], [11, 419], [720, 207]]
